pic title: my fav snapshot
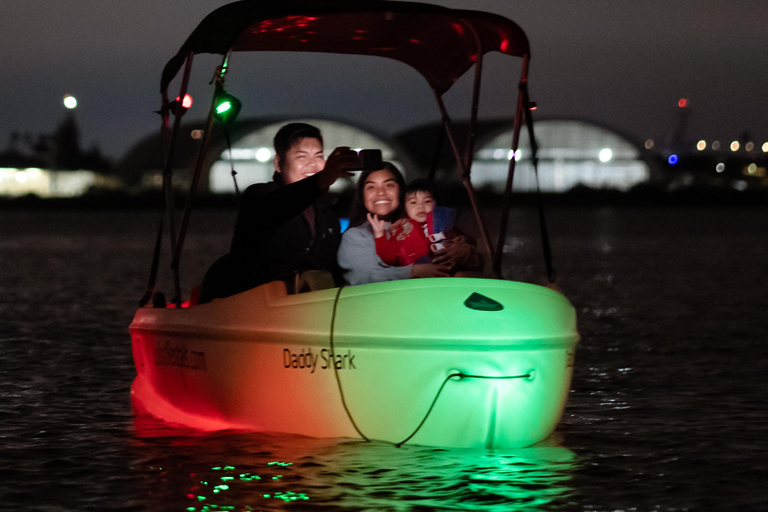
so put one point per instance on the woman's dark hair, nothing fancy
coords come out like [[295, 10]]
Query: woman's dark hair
[[287, 136], [357, 214]]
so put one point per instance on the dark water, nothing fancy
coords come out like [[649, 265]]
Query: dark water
[[667, 412]]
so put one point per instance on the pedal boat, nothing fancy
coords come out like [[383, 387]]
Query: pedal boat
[[267, 361], [452, 362]]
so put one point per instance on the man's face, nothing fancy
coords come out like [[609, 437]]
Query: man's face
[[418, 205], [304, 159]]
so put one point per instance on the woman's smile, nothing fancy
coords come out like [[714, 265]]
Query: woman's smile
[[381, 193]]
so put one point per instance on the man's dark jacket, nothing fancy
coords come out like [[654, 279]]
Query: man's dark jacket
[[273, 238]]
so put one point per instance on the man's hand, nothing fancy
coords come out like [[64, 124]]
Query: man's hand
[[339, 165]]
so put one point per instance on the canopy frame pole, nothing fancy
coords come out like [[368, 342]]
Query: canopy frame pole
[[168, 172], [465, 164], [469, 150], [464, 174], [201, 156], [511, 172]]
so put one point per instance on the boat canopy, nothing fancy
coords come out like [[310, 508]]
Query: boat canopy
[[438, 42]]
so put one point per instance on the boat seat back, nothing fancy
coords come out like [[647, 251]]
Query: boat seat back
[[313, 280]]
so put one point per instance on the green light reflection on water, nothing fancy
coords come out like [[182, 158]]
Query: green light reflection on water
[[239, 485], [379, 476]]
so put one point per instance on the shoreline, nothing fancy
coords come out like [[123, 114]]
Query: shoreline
[[455, 197]]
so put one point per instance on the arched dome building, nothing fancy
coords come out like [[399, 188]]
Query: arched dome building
[[251, 155], [571, 153]]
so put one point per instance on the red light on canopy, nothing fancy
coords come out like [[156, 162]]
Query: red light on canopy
[[683, 103], [179, 107], [504, 45]]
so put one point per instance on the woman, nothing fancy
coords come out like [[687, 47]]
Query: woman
[[380, 193]]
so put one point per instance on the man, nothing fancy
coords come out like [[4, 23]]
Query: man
[[285, 227]]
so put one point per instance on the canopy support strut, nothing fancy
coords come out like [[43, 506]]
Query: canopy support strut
[[464, 174], [168, 143], [510, 174], [204, 146], [465, 163]]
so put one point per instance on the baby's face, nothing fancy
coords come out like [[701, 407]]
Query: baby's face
[[418, 205]]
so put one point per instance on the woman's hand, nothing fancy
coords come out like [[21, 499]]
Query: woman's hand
[[340, 163], [377, 225], [429, 270]]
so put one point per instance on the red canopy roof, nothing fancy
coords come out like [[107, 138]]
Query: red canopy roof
[[440, 43]]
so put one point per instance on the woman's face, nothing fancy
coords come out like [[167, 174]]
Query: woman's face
[[381, 193]]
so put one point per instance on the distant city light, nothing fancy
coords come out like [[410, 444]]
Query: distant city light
[[749, 146], [735, 145], [263, 154], [765, 147], [720, 167], [683, 103], [516, 154], [70, 101], [701, 145], [649, 144], [21, 177], [673, 159], [605, 155], [716, 145], [196, 134], [498, 154], [752, 169], [240, 154]]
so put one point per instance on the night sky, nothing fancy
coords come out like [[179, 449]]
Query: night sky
[[622, 63]]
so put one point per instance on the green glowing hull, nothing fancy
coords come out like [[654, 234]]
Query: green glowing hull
[[263, 360]]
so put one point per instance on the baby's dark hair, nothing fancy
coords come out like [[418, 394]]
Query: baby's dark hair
[[421, 185]]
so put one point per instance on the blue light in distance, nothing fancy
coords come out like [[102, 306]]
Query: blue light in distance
[[673, 159]]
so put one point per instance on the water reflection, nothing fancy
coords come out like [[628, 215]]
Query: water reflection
[[187, 470]]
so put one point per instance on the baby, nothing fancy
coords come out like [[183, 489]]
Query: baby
[[424, 231]]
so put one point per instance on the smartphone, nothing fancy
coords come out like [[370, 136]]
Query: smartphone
[[370, 159]]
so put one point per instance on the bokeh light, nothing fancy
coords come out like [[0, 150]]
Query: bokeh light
[[263, 154], [70, 101], [701, 145]]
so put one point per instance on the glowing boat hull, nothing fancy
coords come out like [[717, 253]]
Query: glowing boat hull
[[264, 360]]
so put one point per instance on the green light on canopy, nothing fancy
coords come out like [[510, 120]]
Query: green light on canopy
[[226, 108]]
